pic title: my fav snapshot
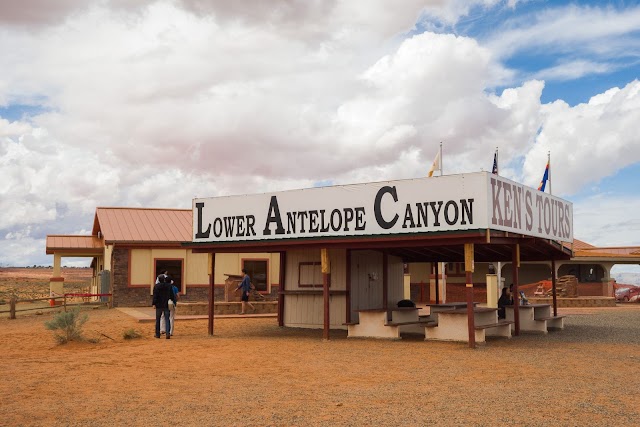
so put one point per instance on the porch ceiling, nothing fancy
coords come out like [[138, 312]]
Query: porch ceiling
[[490, 246]]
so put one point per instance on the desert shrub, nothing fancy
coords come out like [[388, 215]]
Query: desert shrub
[[69, 324], [131, 334]]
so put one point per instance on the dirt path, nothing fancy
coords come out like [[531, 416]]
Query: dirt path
[[254, 373]]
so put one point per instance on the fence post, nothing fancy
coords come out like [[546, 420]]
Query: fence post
[[12, 307], [64, 302]]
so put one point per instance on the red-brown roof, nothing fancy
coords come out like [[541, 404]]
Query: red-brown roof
[[579, 244], [611, 252], [585, 250], [85, 244], [143, 225]]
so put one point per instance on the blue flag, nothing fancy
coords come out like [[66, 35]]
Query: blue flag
[[545, 177], [495, 163]]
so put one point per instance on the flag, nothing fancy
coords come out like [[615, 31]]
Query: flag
[[435, 165], [545, 177], [495, 163]]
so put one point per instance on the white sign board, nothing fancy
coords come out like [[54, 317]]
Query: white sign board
[[446, 203]]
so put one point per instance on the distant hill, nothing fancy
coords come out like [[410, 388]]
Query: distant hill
[[627, 278]]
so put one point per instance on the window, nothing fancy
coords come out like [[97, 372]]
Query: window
[[173, 266], [309, 275], [258, 271], [455, 269]]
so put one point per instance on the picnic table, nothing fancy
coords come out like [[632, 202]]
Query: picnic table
[[453, 325], [387, 323], [535, 317], [434, 309]]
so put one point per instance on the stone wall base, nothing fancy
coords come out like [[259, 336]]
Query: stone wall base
[[576, 302], [202, 308]]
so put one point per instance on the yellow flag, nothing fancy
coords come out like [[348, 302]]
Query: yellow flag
[[435, 165]]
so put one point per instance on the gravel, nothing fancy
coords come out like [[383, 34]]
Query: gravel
[[253, 373]]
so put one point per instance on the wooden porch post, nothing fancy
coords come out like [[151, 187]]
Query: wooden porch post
[[283, 266], [468, 267], [211, 282], [326, 269], [434, 270], [348, 287], [516, 297], [385, 280], [553, 287]]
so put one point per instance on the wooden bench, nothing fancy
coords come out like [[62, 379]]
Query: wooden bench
[[553, 322], [419, 322], [535, 318], [372, 324], [453, 325], [494, 325]]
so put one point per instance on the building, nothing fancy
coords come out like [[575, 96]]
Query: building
[[590, 264], [129, 247], [355, 240]]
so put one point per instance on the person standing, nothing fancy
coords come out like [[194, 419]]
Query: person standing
[[504, 301], [162, 294], [172, 307], [172, 310], [245, 285], [165, 274]]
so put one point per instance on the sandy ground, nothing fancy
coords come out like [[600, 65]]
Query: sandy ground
[[254, 373]]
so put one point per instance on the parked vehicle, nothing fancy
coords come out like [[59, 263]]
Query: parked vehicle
[[630, 294]]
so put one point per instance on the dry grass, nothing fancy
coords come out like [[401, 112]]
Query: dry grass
[[254, 373], [30, 283]]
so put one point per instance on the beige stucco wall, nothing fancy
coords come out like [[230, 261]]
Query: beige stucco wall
[[232, 264], [108, 251], [420, 272], [196, 269], [142, 266], [196, 266]]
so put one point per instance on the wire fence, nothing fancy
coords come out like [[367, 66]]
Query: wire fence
[[55, 303]]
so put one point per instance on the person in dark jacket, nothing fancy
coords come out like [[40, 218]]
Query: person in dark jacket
[[504, 300], [162, 293]]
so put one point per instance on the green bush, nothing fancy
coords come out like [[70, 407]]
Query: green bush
[[69, 324], [130, 334]]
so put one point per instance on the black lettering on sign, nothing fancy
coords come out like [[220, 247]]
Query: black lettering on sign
[[496, 188], [273, 216], [377, 207], [201, 234]]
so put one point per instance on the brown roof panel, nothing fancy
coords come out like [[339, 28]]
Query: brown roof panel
[[72, 242], [619, 251], [144, 224], [579, 244]]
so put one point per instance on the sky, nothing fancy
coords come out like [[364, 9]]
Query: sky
[[153, 103]]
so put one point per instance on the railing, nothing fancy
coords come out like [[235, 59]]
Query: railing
[[13, 301]]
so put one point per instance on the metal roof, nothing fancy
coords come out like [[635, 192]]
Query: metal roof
[[610, 252], [72, 243], [141, 225]]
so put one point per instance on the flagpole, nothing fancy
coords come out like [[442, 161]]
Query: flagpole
[[440, 158], [549, 174], [497, 162]]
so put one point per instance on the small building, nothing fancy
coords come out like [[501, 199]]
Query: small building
[[591, 265], [344, 249], [129, 247]]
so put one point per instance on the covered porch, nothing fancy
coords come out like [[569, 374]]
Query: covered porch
[[71, 246], [343, 249]]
